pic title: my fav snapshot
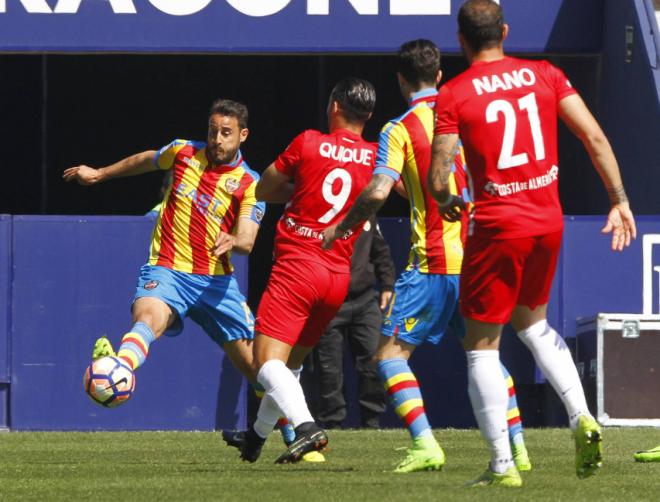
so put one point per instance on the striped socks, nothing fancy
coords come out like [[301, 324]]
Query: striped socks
[[135, 345], [513, 413], [403, 390]]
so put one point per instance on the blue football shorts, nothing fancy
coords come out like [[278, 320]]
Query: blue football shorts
[[212, 301], [422, 307]]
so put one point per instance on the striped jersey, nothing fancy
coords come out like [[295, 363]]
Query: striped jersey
[[203, 200], [404, 151]]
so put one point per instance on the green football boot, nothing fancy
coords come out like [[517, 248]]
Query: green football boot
[[102, 348], [521, 457], [509, 479], [652, 455], [588, 447], [425, 455]]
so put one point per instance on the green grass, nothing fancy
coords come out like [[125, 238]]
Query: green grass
[[197, 466]]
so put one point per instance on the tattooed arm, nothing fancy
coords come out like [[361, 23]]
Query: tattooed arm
[[442, 160], [368, 203]]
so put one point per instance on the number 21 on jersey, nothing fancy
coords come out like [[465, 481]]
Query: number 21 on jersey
[[528, 103]]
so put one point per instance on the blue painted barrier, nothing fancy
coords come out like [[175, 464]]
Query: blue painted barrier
[[69, 280], [73, 280], [5, 316]]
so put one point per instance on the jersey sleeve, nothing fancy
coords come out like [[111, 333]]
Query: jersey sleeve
[[559, 82], [290, 159], [250, 207], [446, 111], [391, 154], [165, 156]]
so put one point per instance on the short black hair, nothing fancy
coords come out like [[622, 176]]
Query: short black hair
[[481, 22], [356, 98], [230, 108], [418, 61]]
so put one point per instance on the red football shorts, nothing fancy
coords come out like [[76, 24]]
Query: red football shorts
[[301, 298], [499, 274]]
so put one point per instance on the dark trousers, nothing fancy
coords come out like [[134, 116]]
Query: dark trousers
[[358, 323]]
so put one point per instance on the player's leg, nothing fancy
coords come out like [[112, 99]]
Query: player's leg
[[551, 353], [489, 398], [330, 289], [490, 283], [363, 336], [151, 317], [285, 308], [158, 305], [221, 310], [514, 422], [283, 388], [516, 438], [421, 305]]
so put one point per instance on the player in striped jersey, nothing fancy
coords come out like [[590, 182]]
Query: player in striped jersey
[[209, 212], [426, 295]]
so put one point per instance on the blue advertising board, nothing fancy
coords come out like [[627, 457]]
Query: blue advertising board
[[275, 26]]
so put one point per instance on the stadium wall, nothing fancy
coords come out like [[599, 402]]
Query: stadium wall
[[68, 280], [630, 96]]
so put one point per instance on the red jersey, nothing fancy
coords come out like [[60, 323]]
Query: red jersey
[[329, 171], [505, 112]]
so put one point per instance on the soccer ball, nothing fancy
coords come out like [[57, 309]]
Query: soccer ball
[[109, 381]]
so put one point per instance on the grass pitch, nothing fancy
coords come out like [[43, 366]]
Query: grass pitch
[[197, 466]]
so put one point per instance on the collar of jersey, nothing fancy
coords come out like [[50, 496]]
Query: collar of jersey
[[428, 94], [341, 130], [238, 160], [485, 63]]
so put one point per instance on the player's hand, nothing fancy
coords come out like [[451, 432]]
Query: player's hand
[[385, 297], [330, 235], [621, 223], [452, 208], [224, 242], [84, 175]]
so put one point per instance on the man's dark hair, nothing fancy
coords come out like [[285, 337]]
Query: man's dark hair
[[356, 98], [418, 61], [481, 22], [230, 108]]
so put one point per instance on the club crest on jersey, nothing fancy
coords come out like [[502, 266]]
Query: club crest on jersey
[[151, 285], [232, 184], [258, 214], [491, 188]]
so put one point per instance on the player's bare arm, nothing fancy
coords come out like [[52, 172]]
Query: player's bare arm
[[139, 163], [400, 188], [444, 151], [367, 204], [241, 241], [274, 187], [620, 220]]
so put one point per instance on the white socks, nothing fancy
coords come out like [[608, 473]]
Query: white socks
[[285, 391], [269, 413], [267, 416], [490, 399], [554, 358]]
